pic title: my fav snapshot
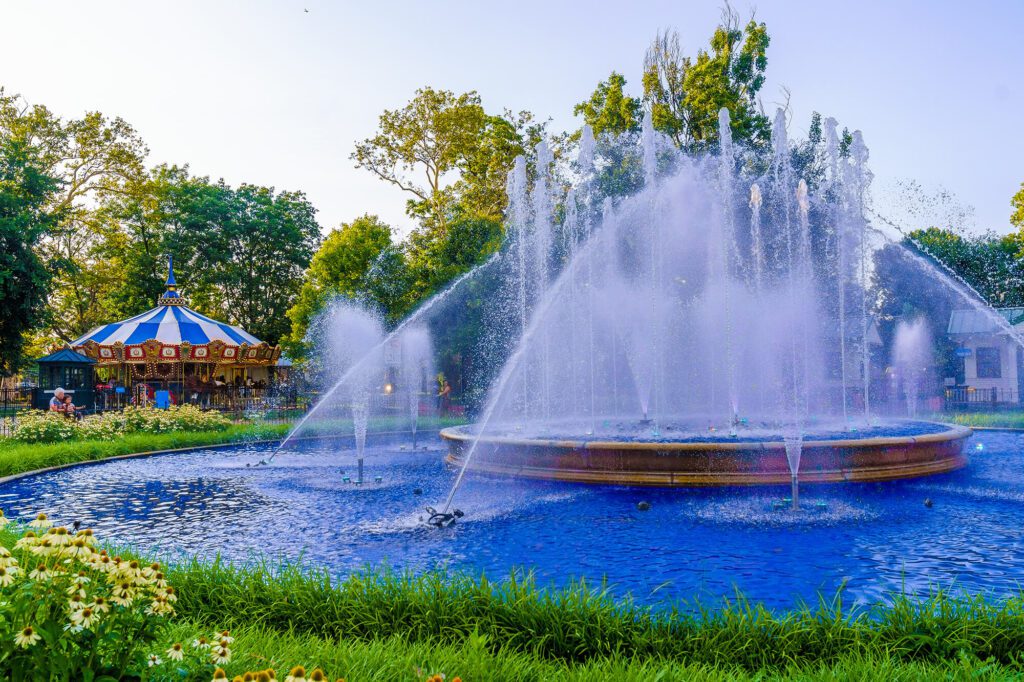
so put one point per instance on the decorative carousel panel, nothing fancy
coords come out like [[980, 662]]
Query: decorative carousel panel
[[229, 353], [200, 353], [135, 353], [216, 348], [106, 354], [91, 349], [152, 348], [169, 353]]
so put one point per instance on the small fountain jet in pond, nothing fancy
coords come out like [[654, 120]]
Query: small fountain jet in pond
[[443, 519]]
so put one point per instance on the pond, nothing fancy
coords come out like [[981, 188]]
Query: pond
[[691, 544]]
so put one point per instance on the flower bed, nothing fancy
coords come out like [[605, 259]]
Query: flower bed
[[35, 426]]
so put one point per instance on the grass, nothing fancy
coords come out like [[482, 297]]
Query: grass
[[17, 457], [583, 626], [479, 658], [386, 626], [995, 420]]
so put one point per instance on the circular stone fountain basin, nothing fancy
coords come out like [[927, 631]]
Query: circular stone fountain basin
[[878, 454]]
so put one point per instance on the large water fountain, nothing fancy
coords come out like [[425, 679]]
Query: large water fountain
[[714, 328]]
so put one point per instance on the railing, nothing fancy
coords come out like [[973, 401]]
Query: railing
[[971, 398], [13, 401]]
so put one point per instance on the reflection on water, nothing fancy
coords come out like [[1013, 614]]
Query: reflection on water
[[879, 538]]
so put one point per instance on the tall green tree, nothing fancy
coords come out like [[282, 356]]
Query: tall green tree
[[243, 252], [26, 216], [94, 157], [357, 260], [609, 109], [431, 137], [1017, 203], [685, 94]]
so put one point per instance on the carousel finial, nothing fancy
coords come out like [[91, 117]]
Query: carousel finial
[[171, 296], [171, 284]]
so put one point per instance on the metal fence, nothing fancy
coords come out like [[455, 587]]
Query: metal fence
[[13, 401], [970, 398]]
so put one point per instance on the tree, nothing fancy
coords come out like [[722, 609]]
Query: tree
[[244, 252], [357, 260], [432, 135], [93, 157], [685, 95], [609, 109], [1017, 202], [26, 194]]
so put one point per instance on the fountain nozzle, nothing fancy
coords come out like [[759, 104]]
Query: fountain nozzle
[[442, 519]]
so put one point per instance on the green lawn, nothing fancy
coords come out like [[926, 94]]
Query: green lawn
[[20, 457], [995, 420]]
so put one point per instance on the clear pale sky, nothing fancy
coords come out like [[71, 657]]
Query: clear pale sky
[[267, 93]]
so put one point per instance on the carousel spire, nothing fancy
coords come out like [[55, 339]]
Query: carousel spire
[[171, 295]]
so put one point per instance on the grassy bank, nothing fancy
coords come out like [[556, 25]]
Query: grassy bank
[[19, 457], [376, 626], [992, 420], [580, 626], [481, 659]]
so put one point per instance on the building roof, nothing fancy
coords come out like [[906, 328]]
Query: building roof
[[168, 324], [66, 356], [978, 321]]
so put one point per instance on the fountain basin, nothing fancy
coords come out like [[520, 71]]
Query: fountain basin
[[714, 462]]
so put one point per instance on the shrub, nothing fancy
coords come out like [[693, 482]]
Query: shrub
[[74, 612], [33, 426]]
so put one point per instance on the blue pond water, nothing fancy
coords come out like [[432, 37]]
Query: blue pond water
[[879, 538]]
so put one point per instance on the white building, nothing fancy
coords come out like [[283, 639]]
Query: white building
[[992, 362]]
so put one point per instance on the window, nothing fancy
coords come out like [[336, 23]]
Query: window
[[988, 362]]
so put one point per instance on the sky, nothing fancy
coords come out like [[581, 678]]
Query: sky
[[269, 93]]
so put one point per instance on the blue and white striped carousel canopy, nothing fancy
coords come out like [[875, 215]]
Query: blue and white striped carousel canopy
[[170, 325]]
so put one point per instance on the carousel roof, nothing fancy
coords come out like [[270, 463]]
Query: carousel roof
[[171, 322]]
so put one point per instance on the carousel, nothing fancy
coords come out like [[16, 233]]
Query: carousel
[[176, 349]]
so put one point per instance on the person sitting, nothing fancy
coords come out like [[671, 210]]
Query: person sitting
[[57, 401], [70, 410]]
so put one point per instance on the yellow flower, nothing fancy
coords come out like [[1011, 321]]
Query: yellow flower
[[154, 660], [219, 674], [224, 635], [100, 605], [5, 557], [176, 652], [3, 519], [297, 674], [40, 522], [200, 643], [317, 676], [7, 575], [26, 637]]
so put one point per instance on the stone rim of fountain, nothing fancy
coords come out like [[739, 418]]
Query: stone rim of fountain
[[711, 463]]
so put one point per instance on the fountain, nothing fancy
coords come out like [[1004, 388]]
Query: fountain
[[735, 294]]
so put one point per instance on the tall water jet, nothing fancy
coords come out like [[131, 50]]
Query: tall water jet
[[858, 186], [794, 446], [721, 261], [911, 355], [417, 363], [833, 189]]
